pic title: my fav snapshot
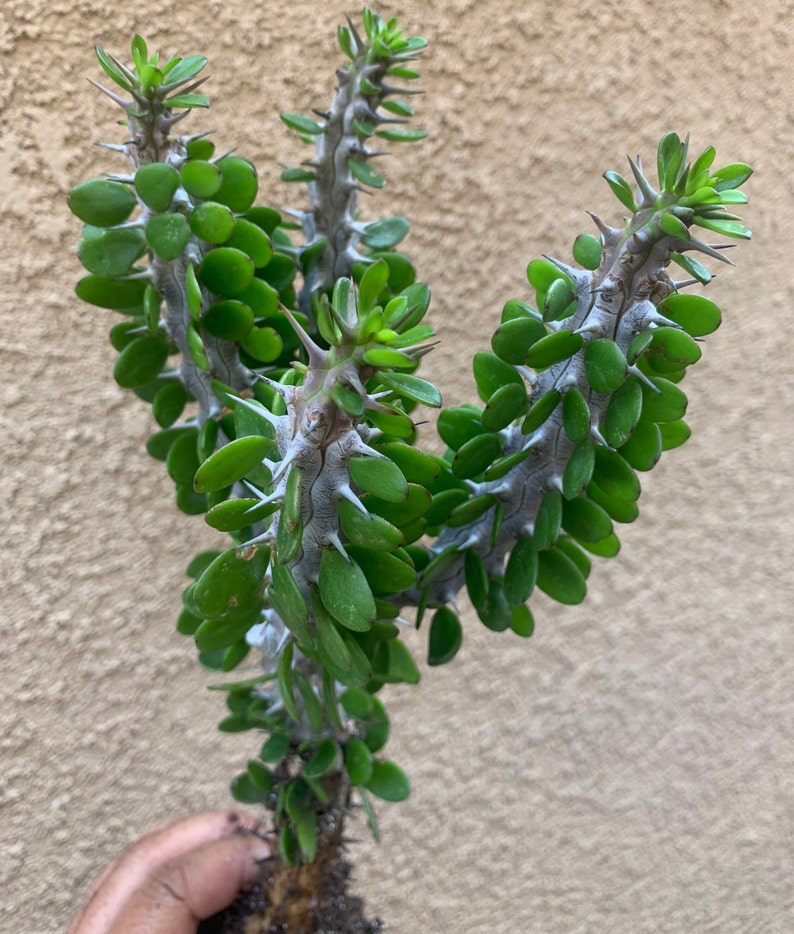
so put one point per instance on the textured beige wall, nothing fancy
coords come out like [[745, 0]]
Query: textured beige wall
[[631, 769]]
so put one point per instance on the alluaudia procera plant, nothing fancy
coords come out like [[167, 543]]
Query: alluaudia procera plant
[[279, 352]]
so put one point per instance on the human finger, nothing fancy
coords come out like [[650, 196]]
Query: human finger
[[166, 842], [192, 887]]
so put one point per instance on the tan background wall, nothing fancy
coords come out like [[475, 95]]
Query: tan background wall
[[628, 770]]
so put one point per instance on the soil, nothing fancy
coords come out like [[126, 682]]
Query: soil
[[290, 901]]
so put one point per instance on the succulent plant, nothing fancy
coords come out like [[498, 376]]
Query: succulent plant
[[279, 352]]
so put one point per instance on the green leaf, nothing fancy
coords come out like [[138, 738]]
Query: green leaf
[[459, 425], [496, 615], [541, 410], [156, 184], [245, 791], [490, 373], [727, 227], [541, 273], [168, 235], [232, 462], [212, 222], [553, 348], [358, 761], [311, 703], [112, 253], [476, 583], [578, 470], [622, 413], [264, 343], [345, 592], [388, 781], [239, 186], [365, 173], [446, 636], [201, 179], [667, 404], [215, 634], [185, 69], [673, 346], [585, 520], [182, 460], [322, 759], [115, 70], [111, 293], [230, 320], [614, 476], [101, 202], [412, 387], [587, 251], [286, 684], [169, 403], [576, 415], [367, 530], [621, 189], [697, 315], [301, 124], [732, 176], [357, 703], [385, 234], [140, 361], [560, 301], [474, 456], [288, 602], [644, 448], [471, 510], [548, 519], [297, 174], [674, 434], [513, 338], [226, 271], [521, 572], [188, 100], [372, 284], [379, 476], [522, 622], [401, 134], [253, 241], [560, 578], [508, 403], [605, 365], [385, 571], [261, 777], [231, 586], [692, 266], [416, 466], [403, 513]]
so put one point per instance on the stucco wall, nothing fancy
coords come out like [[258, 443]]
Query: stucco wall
[[628, 770]]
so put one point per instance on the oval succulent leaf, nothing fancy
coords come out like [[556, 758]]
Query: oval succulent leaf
[[388, 782], [239, 186], [379, 476], [605, 365], [140, 361], [476, 455], [168, 235], [697, 315], [156, 185], [232, 462], [102, 202], [446, 636], [112, 253], [560, 578], [226, 271], [212, 222], [553, 348], [345, 592], [232, 584], [521, 571]]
